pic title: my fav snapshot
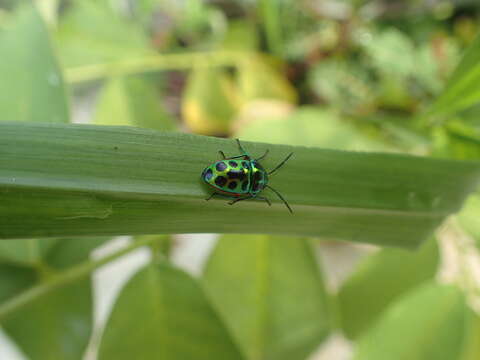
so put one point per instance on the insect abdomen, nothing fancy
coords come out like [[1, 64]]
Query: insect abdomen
[[229, 176]]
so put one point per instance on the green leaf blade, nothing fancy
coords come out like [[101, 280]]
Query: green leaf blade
[[99, 180], [379, 280], [31, 87], [428, 323], [57, 322], [462, 89], [177, 322], [251, 280]]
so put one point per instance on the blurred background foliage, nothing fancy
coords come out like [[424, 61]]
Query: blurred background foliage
[[365, 75]]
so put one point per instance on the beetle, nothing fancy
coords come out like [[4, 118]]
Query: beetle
[[240, 177]]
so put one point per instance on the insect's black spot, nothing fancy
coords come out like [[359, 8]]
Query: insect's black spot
[[232, 174], [232, 163], [232, 185], [257, 176], [244, 185], [207, 174], [256, 187], [220, 181], [245, 164], [221, 166]]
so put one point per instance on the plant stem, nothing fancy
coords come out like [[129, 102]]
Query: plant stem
[[65, 278], [153, 63]]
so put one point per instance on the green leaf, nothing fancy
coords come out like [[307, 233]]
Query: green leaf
[[251, 280], [33, 251], [310, 126], [177, 322], [208, 104], [463, 87], [62, 316], [55, 326], [31, 86], [463, 141], [69, 252], [91, 32], [259, 78], [269, 11], [58, 180], [428, 323], [14, 278], [379, 280], [132, 101], [26, 251]]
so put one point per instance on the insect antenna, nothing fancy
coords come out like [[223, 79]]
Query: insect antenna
[[240, 147], [261, 157], [279, 165], [280, 196]]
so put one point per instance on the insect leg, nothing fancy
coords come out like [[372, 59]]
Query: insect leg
[[223, 154], [281, 198], [223, 196], [214, 194], [239, 199], [264, 198]]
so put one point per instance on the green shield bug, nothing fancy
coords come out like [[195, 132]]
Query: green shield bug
[[240, 177]]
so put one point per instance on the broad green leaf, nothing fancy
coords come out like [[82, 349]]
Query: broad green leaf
[[208, 102], [310, 126], [379, 280], [62, 317], [91, 32], [14, 278], [428, 323], [69, 252], [256, 282], [26, 251], [55, 326], [132, 101], [162, 313], [463, 87], [31, 86], [58, 180], [258, 79], [34, 251]]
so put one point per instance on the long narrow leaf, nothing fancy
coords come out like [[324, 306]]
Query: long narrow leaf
[[65, 180]]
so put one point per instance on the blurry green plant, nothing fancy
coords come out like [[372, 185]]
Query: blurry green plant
[[244, 68]]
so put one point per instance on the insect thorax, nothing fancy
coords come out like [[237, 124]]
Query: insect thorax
[[259, 177]]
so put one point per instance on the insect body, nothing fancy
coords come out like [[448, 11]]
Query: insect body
[[240, 177]]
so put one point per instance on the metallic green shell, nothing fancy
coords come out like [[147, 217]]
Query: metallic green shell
[[236, 177]]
